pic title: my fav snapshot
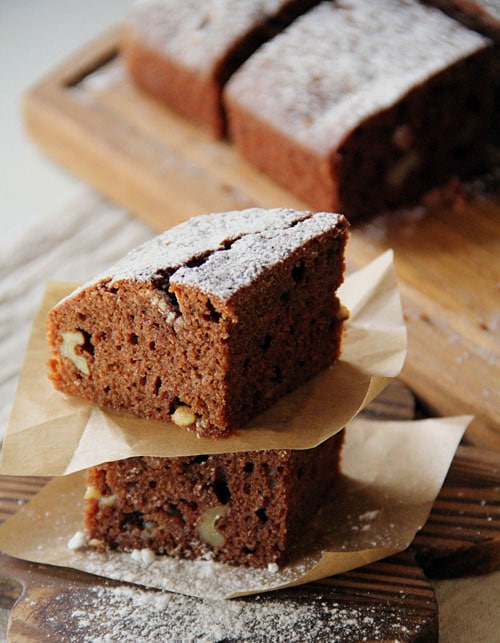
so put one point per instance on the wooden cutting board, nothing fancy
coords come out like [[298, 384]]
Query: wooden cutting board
[[89, 117], [389, 600]]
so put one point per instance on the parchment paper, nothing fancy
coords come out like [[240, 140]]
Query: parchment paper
[[53, 434], [392, 473]]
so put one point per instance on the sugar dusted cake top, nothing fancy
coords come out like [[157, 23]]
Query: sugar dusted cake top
[[193, 37], [344, 61], [223, 252]]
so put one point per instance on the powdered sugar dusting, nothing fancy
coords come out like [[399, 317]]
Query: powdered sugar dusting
[[200, 577], [227, 271], [198, 34], [124, 613], [344, 61], [236, 246]]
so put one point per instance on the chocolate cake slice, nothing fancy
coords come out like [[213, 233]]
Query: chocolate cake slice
[[209, 323], [243, 508]]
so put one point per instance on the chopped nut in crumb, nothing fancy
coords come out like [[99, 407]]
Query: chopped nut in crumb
[[403, 137], [92, 493], [144, 556], [72, 339], [183, 416], [343, 312], [207, 529], [178, 324], [107, 501]]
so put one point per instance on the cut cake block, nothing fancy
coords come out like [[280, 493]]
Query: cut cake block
[[360, 106], [183, 52], [243, 508], [209, 323]]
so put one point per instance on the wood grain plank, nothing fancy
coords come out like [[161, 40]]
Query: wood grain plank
[[88, 116], [62, 607], [16, 491], [389, 600], [449, 276], [462, 534]]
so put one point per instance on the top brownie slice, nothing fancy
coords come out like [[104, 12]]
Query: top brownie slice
[[210, 322]]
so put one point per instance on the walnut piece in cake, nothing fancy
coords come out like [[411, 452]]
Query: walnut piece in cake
[[209, 323]]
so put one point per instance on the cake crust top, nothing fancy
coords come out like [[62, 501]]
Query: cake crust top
[[220, 253], [197, 38], [344, 61]]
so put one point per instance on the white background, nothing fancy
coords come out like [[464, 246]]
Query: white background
[[36, 35]]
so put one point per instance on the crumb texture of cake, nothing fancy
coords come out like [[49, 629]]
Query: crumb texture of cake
[[243, 509], [184, 52], [210, 322], [359, 106]]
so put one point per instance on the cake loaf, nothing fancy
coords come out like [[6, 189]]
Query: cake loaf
[[243, 508], [210, 322], [360, 106], [184, 52]]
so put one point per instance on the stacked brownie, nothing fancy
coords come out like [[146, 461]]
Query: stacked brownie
[[243, 508], [355, 106], [205, 326]]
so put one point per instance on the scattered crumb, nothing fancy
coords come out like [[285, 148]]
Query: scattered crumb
[[77, 541], [369, 515], [198, 577], [144, 556]]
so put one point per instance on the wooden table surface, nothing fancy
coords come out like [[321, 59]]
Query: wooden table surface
[[390, 600]]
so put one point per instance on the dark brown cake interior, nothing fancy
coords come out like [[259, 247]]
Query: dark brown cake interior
[[242, 509]]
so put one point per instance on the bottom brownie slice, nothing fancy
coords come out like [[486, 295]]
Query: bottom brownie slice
[[241, 508]]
